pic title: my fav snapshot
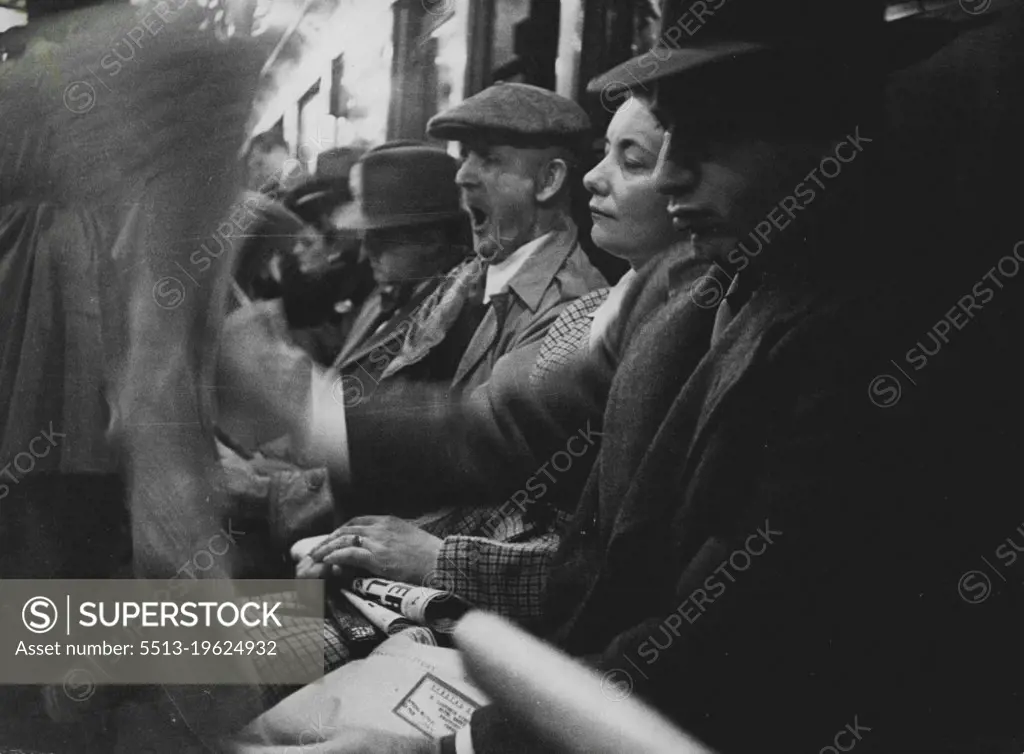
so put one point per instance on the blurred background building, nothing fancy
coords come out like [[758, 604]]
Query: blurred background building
[[355, 72], [360, 72]]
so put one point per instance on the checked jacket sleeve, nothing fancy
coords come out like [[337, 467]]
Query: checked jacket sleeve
[[507, 578]]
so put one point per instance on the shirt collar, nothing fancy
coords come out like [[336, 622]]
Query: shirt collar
[[499, 275], [529, 270]]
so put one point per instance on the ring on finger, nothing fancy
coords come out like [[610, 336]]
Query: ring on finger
[[357, 541]]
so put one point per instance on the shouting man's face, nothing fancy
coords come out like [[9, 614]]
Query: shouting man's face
[[499, 186]]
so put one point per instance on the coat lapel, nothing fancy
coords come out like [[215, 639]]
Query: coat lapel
[[387, 332], [362, 329], [483, 339], [524, 292], [696, 413]]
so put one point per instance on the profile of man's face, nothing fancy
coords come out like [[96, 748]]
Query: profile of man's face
[[403, 255], [498, 184], [721, 181]]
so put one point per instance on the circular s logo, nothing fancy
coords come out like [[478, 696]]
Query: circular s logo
[[39, 615], [974, 587], [885, 391], [439, 7], [614, 95], [168, 293], [707, 292], [616, 685], [79, 685], [442, 582], [975, 7], [79, 97], [348, 390]]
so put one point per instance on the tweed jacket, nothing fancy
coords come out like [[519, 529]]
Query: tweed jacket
[[568, 336], [554, 275]]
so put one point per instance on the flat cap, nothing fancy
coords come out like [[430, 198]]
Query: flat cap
[[517, 111]]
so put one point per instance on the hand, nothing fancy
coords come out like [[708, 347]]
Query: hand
[[264, 379], [240, 479], [306, 567], [383, 545], [304, 547]]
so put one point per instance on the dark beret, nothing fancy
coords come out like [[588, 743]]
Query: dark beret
[[518, 111]]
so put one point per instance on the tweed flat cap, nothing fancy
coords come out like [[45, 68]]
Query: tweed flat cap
[[518, 111]]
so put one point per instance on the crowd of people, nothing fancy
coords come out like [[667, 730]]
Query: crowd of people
[[717, 394], [689, 477]]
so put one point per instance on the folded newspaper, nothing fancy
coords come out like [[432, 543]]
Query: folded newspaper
[[388, 621], [402, 687], [433, 608]]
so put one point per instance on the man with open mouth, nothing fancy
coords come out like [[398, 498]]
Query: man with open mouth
[[519, 144]]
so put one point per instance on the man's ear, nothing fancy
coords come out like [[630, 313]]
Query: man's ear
[[551, 179]]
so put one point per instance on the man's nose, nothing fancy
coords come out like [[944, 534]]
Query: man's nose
[[467, 175], [675, 175]]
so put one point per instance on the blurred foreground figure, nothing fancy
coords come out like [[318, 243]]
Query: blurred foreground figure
[[109, 183]]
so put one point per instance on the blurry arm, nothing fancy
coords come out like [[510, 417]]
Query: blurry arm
[[414, 449]]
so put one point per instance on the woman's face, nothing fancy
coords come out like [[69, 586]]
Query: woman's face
[[631, 218]]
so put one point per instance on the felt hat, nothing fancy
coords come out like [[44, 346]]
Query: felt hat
[[401, 185], [810, 40]]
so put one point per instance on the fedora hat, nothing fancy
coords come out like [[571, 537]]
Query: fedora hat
[[806, 37], [397, 185]]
